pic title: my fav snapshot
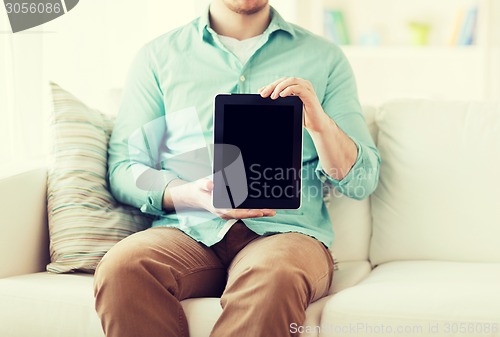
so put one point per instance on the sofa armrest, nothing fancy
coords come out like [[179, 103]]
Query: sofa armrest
[[24, 240]]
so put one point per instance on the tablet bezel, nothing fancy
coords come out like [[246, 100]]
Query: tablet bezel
[[222, 100]]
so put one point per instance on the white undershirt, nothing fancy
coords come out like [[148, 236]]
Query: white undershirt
[[243, 49]]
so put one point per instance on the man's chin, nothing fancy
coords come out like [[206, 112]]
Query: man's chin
[[243, 10]]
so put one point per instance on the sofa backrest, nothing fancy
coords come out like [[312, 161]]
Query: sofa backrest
[[352, 218], [438, 196]]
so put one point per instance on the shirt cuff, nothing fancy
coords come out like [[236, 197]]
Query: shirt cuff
[[324, 177], [159, 181]]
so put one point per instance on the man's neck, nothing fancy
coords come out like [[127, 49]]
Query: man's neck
[[239, 26]]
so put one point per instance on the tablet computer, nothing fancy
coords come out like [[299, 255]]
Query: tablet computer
[[257, 153]]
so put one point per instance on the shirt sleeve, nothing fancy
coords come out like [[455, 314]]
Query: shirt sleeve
[[135, 170], [341, 103]]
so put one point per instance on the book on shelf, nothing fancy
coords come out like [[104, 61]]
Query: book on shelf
[[336, 27], [464, 32]]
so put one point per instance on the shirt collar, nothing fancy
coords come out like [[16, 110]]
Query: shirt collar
[[277, 23]]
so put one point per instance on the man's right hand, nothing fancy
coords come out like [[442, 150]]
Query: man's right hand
[[198, 195]]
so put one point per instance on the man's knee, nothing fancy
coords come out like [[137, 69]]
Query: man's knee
[[285, 277], [125, 261], [289, 266]]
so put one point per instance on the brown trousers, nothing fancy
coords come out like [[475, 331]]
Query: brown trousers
[[265, 282]]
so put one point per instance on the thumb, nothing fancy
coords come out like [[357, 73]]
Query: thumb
[[206, 184]]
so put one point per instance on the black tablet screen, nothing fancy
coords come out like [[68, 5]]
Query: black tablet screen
[[257, 155], [265, 136]]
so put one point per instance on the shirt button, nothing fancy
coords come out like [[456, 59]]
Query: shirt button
[[242, 78]]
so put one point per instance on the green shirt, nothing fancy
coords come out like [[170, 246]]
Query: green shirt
[[166, 115]]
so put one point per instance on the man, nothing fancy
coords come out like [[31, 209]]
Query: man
[[270, 265]]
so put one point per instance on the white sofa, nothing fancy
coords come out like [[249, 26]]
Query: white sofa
[[421, 257]]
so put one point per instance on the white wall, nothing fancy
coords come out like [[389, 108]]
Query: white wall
[[21, 72], [90, 49]]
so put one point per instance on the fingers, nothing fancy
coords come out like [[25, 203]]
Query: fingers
[[289, 82], [268, 89], [293, 90], [242, 214], [280, 88], [247, 213]]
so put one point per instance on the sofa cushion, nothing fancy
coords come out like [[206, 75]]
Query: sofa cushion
[[348, 274], [84, 219], [419, 298], [48, 305], [437, 198]]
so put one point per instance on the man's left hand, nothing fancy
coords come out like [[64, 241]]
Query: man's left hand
[[315, 118]]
